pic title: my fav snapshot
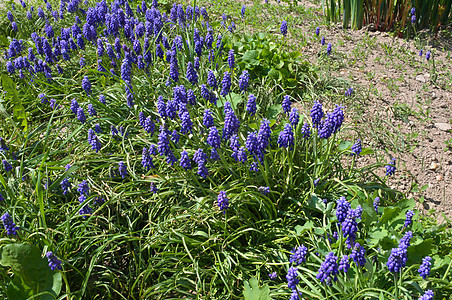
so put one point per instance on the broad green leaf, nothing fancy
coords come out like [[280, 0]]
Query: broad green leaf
[[418, 251], [343, 145], [299, 230], [252, 290], [273, 74], [32, 274], [389, 213]]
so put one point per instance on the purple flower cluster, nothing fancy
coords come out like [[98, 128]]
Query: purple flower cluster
[[54, 262], [344, 264], [10, 226], [427, 296], [409, 217], [292, 279], [93, 140], [329, 269], [284, 28], [286, 137], [376, 203], [399, 255], [7, 165], [223, 201], [359, 255], [356, 147], [424, 269], [390, 167], [298, 255]]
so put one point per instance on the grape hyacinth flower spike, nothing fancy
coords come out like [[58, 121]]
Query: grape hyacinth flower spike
[[298, 255], [9, 225], [424, 269], [273, 276], [317, 31], [357, 148], [223, 201], [409, 217], [427, 296], [390, 167], [284, 28], [54, 262]]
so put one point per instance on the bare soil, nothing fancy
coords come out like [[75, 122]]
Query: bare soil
[[406, 104]]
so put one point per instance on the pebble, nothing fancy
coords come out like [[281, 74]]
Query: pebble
[[420, 78], [434, 166], [439, 177], [443, 126]]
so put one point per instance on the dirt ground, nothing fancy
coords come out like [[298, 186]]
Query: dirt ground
[[407, 109]]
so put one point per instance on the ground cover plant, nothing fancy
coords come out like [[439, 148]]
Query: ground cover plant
[[153, 150]]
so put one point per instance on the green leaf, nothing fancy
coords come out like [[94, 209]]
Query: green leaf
[[376, 236], [418, 251], [299, 230], [19, 113], [273, 74], [389, 213], [32, 274], [343, 145], [253, 292]]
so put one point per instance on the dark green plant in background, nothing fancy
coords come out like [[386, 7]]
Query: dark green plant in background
[[389, 14]]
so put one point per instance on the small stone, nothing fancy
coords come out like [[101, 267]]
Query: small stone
[[439, 177], [420, 78], [443, 126], [433, 95], [427, 75], [433, 166]]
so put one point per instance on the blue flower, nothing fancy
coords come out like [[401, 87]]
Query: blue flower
[[343, 206], [286, 104], [398, 257], [192, 76], [231, 59], [251, 104], [376, 203], [264, 190], [223, 201], [286, 137], [9, 225], [359, 255], [244, 80], [185, 161], [146, 159], [390, 167], [349, 92], [65, 185], [409, 217], [211, 80], [85, 209], [317, 31], [207, 119], [231, 122], [186, 123], [292, 279], [273, 276], [122, 169], [226, 84], [427, 56], [421, 52], [81, 115], [424, 269], [298, 255], [329, 48], [294, 117], [242, 11], [344, 264], [329, 269], [356, 147], [316, 113], [213, 139], [86, 85], [427, 296], [54, 262], [264, 134], [306, 130], [93, 141], [322, 41], [284, 28], [7, 165]]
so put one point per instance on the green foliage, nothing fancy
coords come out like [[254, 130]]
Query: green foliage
[[389, 14], [268, 62], [252, 291], [32, 275]]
